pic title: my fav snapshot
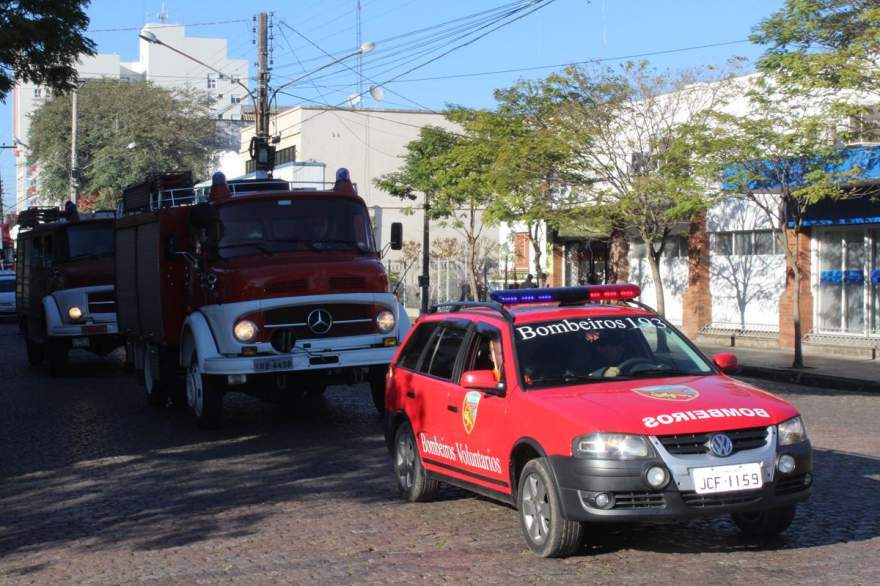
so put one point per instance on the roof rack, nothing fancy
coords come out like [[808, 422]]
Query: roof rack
[[458, 305], [35, 216], [160, 190]]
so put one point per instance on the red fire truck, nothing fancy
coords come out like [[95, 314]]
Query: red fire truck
[[252, 286], [64, 284]]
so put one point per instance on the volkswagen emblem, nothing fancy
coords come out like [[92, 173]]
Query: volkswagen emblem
[[721, 445], [319, 321]]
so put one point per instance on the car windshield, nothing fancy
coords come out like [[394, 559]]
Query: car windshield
[[7, 285], [270, 226], [606, 348], [90, 239]]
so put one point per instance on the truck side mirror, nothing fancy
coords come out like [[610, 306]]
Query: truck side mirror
[[396, 236]]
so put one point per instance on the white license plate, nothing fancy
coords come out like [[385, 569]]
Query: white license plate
[[727, 478], [80, 343], [273, 363]]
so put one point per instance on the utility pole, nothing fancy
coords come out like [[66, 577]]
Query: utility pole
[[425, 277], [261, 151], [73, 170]]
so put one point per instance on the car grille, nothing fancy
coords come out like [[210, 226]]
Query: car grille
[[102, 302], [349, 319], [639, 500], [705, 501], [697, 443], [792, 484]]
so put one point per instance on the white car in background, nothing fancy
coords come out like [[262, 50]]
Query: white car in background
[[7, 292]]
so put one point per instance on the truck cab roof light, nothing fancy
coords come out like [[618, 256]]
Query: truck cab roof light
[[580, 294]]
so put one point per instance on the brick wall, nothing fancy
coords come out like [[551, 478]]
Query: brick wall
[[697, 299], [786, 307]]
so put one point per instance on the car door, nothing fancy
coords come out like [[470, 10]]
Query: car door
[[478, 418], [432, 385]]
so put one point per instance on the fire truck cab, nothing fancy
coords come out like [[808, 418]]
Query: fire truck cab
[[64, 284], [255, 287]]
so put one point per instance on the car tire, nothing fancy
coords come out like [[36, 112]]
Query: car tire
[[56, 356], [412, 481], [547, 533], [204, 396], [767, 523], [377, 387], [157, 396], [36, 353]]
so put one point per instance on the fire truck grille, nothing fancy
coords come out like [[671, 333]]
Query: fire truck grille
[[698, 443], [102, 302], [703, 501], [348, 319]]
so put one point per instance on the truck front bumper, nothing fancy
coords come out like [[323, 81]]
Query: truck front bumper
[[299, 360], [83, 330]]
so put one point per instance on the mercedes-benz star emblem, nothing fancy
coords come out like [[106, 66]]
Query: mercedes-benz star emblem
[[721, 445], [319, 321]]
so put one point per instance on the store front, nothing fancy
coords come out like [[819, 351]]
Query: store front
[[848, 280]]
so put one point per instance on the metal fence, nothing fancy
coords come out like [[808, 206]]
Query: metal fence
[[449, 281]]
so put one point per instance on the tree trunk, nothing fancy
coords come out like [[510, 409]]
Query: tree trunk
[[796, 304], [654, 264], [536, 246]]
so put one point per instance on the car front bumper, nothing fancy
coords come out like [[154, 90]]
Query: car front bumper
[[580, 480]]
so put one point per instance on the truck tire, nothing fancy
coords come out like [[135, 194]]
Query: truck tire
[[377, 387], [547, 532], [412, 481], [56, 356], [204, 396], [156, 394], [35, 352]]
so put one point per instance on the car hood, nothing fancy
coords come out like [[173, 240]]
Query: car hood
[[694, 404]]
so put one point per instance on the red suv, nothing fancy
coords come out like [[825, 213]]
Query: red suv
[[580, 405]]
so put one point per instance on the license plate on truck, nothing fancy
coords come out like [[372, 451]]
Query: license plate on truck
[[727, 478], [273, 363]]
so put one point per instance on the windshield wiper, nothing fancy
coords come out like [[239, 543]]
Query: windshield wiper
[[258, 245], [310, 243], [351, 243], [567, 379], [659, 371]]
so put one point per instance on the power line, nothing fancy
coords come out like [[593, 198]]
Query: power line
[[137, 28]]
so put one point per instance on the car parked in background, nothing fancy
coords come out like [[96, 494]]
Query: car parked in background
[[7, 292]]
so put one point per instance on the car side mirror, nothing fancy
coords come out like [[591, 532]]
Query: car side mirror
[[482, 380], [396, 236], [727, 363]]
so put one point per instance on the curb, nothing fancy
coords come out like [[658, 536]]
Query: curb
[[810, 379]]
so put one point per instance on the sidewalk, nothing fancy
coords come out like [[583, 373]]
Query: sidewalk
[[831, 372]]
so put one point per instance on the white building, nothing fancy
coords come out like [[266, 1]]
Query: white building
[[156, 64]]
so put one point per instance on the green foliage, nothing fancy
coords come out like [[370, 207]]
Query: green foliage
[[172, 131], [829, 44], [40, 42]]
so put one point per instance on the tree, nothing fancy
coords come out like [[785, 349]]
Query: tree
[[171, 131], [633, 131], [40, 42]]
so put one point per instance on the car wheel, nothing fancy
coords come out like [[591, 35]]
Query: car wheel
[[413, 483], [765, 523], [56, 356], [377, 387], [156, 395], [547, 533], [35, 352], [204, 396]]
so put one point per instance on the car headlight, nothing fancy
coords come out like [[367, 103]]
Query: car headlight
[[245, 331], [385, 321], [791, 431], [75, 313], [611, 446]]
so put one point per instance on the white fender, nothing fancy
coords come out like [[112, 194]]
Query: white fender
[[196, 336], [53, 314], [403, 323]]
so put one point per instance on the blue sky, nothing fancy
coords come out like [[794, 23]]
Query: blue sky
[[563, 32]]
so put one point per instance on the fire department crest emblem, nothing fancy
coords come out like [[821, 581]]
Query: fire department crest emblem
[[668, 392], [469, 410]]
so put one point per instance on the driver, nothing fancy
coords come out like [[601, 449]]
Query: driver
[[610, 348], [320, 228]]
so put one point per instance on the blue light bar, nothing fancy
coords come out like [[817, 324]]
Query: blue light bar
[[580, 294]]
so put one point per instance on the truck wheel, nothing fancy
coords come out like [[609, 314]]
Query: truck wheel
[[765, 523], [35, 352], [204, 396], [56, 355], [547, 533], [377, 387], [413, 483], [156, 395]]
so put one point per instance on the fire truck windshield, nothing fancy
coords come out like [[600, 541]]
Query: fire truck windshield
[[271, 226], [89, 239]]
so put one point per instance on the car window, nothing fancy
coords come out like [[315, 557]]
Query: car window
[[442, 354], [7, 285], [409, 356]]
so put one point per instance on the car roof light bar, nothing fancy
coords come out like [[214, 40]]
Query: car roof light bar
[[567, 295]]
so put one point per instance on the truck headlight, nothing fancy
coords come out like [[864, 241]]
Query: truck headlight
[[791, 431], [385, 321], [611, 446], [245, 331], [75, 313]]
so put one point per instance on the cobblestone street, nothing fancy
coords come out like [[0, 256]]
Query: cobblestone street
[[97, 487]]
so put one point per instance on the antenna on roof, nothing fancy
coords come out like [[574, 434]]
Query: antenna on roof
[[163, 14]]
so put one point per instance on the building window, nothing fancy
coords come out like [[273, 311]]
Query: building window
[[285, 155], [676, 246], [748, 243], [234, 99], [212, 83], [38, 92]]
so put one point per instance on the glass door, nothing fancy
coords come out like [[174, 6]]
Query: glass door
[[849, 278], [874, 280], [830, 281]]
